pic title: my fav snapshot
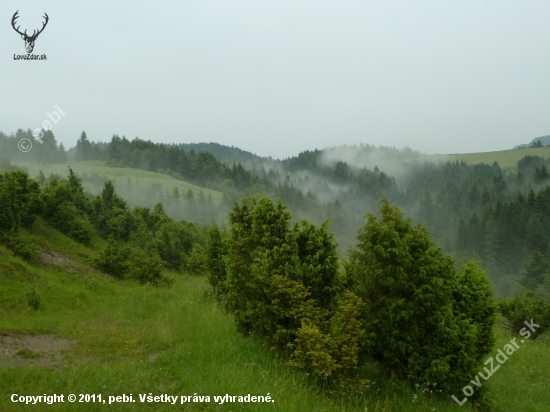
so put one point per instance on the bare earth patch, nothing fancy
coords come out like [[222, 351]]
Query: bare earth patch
[[28, 351], [57, 259]]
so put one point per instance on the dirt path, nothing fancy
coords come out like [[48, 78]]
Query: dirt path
[[28, 351]]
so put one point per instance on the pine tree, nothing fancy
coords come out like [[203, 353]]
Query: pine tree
[[62, 154], [535, 271]]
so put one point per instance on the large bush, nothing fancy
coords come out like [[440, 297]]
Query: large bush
[[148, 269], [20, 201], [69, 220], [282, 285], [113, 260], [423, 321], [69, 208], [264, 248], [522, 309]]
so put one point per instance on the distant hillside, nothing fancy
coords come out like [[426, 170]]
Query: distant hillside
[[224, 154], [507, 159], [545, 141]]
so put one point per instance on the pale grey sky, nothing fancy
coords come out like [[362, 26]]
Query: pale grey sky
[[279, 77]]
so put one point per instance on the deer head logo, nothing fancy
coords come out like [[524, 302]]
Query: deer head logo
[[29, 40]]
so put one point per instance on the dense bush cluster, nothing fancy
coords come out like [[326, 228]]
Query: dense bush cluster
[[140, 242], [400, 302], [525, 308], [282, 283]]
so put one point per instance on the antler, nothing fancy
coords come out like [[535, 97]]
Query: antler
[[43, 27], [15, 16]]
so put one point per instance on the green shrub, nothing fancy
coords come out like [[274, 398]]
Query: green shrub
[[113, 260], [331, 349], [24, 246], [67, 219], [282, 285], [68, 207], [173, 240], [264, 247], [524, 308], [20, 201], [148, 269], [217, 245], [423, 321], [33, 299], [196, 262]]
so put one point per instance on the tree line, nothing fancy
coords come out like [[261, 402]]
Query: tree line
[[479, 211]]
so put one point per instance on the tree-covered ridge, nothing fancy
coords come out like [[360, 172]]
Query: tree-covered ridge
[[48, 150], [499, 217]]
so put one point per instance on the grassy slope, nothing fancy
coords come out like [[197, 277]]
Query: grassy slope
[[118, 326], [141, 179], [507, 159]]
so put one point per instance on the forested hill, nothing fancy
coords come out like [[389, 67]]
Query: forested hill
[[225, 154], [537, 142], [476, 211]]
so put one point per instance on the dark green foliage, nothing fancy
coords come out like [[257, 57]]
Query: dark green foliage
[[148, 269], [265, 246], [68, 207], [20, 201], [113, 260], [319, 262], [33, 299], [217, 245], [84, 150], [417, 318], [535, 271], [174, 242], [24, 246], [262, 250], [47, 152], [111, 215], [541, 174], [474, 306], [524, 308], [69, 220], [196, 262], [282, 285]]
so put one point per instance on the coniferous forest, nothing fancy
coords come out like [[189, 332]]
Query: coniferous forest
[[499, 217]]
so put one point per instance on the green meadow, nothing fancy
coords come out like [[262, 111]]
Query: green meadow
[[122, 177], [507, 159], [125, 338]]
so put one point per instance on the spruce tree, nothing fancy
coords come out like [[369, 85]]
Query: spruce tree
[[535, 271]]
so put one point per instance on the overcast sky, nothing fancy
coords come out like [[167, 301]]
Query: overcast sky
[[279, 77]]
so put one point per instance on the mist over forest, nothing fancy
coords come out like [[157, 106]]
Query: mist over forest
[[479, 211]]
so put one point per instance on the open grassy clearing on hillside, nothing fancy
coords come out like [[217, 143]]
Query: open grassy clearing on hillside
[[141, 180], [124, 338], [507, 159]]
